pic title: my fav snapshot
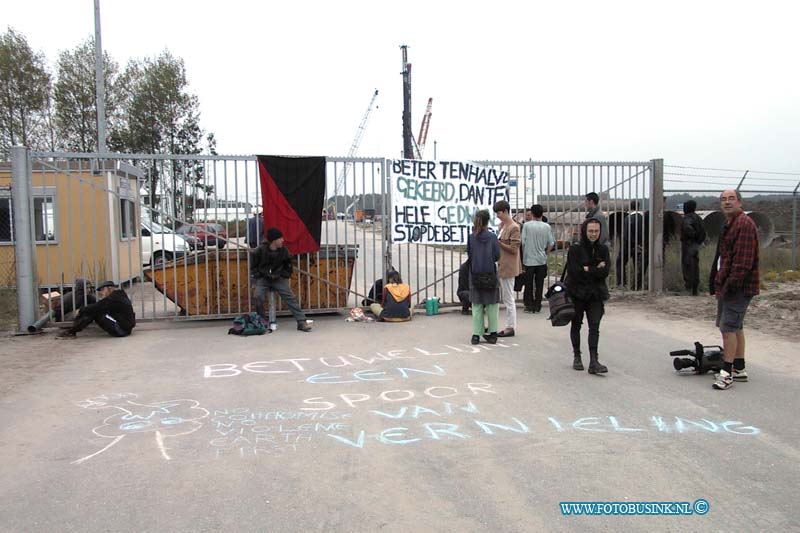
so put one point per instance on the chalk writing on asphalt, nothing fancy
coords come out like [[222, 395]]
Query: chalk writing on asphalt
[[135, 420], [358, 423]]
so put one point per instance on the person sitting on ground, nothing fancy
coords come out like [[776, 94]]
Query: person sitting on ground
[[463, 288], [271, 266], [396, 300], [72, 300], [375, 295], [113, 313]]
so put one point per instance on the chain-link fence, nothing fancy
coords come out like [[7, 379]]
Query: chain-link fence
[[7, 259], [769, 198]]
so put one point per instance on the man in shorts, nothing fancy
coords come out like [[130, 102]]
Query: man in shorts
[[735, 280]]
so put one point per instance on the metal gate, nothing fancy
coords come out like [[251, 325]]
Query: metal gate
[[173, 229], [624, 188]]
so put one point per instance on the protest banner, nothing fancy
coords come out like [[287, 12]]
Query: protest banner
[[434, 202]]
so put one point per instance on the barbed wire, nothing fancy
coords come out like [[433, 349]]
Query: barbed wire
[[796, 174], [748, 180]]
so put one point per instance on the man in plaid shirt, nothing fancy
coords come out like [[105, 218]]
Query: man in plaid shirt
[[734, 280]]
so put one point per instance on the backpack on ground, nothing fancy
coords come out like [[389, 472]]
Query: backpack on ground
[[562, 310], [248, 324]]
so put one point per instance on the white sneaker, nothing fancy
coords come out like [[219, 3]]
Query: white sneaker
[[273, 326], [724, 381], [738, 375]]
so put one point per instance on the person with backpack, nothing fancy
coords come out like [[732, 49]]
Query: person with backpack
[[483, 251], [271, 267], [693, 236], [396, 300], [587, 269]]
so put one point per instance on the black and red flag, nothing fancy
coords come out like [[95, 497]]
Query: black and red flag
[[293, 193]]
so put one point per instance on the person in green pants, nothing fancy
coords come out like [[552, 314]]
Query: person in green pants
[[483, 250]]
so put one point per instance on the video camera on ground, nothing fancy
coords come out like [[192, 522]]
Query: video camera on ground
[[703, 358]]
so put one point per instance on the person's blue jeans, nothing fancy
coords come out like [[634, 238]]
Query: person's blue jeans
[[284, 290]]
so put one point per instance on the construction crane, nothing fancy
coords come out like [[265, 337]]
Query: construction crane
[[419, 143], [354, 146], [408, 137]]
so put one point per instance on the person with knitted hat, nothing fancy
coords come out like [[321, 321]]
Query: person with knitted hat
[[271, 267], [113, 312]]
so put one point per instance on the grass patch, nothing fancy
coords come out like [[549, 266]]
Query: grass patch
[[786, 275], [774, 263], [8, 309]]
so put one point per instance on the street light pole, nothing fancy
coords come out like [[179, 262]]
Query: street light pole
[[99, 82]]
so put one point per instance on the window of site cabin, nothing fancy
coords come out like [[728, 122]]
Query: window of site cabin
[[44, 219], [127, 219]]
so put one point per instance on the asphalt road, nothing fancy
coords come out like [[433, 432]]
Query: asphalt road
[[391, 427]]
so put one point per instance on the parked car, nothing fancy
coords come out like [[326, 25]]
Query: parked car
[[195, 244], [160, 244], [210, 234]]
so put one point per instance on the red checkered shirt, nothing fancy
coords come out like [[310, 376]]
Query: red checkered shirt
[[738, 257]]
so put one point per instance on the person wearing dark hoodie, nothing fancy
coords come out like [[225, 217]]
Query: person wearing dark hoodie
[[483, 251], [396, 300], [113, 313], [587, 269], [271, 267], [693, 235]]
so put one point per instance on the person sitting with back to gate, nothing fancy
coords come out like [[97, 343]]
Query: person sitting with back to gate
[[375, 295], [79, 296], [396, 300], [113, 313], [271, 266]]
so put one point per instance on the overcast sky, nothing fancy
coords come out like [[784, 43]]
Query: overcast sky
[[706, 84]]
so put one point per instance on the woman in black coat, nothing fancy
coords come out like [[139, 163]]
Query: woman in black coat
[[483, 251], [587, 269]]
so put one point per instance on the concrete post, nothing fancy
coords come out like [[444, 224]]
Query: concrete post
[[656, 270], [794, 228], [24, 238]]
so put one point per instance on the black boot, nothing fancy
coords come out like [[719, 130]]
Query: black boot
[[491, 338], [594, 365], [475, 339], [302, 325], [577, 363]]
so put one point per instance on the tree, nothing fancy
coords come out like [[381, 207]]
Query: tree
[[24, 93], [75, 97], [159, 115]]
